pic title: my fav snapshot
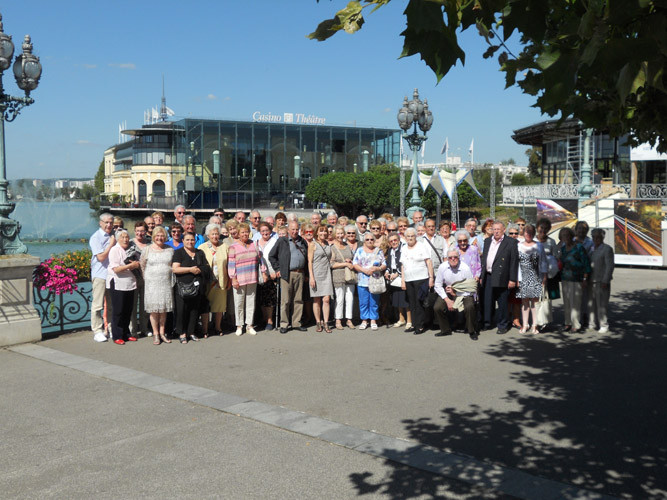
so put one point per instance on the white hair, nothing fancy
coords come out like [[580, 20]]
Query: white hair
[[292, 218], [411, 231], [461, 232], [178, 206], [105, 216], [211, 227]]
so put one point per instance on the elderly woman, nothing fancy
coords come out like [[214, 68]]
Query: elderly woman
[[416, 277], [602, 269], [393, 276], [158, 218], [122, 283], [576, 267], [403, 224], [319, 271], [343, 220], [343, 281], [445, 230], [216, 256], [232, 226], [543, 308], [137, 245], [486, 232], [351, 238], [244, 262], [281, 221], [368, 261], [380, 239], [267, 292], [533, 269], [158, 295], [468, 253], [514, 303], [193, 275]]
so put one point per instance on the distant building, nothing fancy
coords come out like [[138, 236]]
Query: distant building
[[259, 161], [37, 182], [61, 183], [80, 184]]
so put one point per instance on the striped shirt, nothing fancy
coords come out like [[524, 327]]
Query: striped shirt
[[242, 263]]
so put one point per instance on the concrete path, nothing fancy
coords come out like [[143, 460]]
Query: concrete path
[[545, 417]]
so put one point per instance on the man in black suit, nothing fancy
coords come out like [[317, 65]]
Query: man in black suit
[[500, 268], [288, 258]]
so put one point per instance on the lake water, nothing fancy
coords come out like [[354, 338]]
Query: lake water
[[49, 227]]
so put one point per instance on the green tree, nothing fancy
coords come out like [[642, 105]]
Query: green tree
[[99, 178], [601, 61], [534, 155], [87, 192]]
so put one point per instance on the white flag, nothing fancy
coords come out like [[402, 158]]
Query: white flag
[[445, 147], [472, 143], [170, 112], [423, 150], [155, 116]]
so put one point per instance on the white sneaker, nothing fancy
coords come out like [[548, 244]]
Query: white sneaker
[[603, 330], [100, 337], [250, 330], [239, 331]]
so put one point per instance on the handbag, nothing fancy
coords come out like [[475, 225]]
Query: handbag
[[187, 290], [350, 275], [377, 284]]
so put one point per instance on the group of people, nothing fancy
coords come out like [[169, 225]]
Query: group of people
[[281, 273]]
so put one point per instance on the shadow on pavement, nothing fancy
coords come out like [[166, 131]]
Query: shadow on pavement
[[592, 413]]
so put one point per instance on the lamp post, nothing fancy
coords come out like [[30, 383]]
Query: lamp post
[[27, 71], [414, 113], [216, 171], [586, 188]]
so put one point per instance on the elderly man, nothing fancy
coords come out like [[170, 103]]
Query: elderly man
[[190, 226], [392, 226], [255, 219], [101, 243], [417, 218], [471, 226], [316, 219], [150, 224], [240, 216], [451, 275], [362, 226], [602, 265], [436, 245], [179, 213], [500, 268], [332, 218], [288, 258], [220, 212]]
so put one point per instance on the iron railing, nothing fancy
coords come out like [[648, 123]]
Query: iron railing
[[65, 312], [513, 195]]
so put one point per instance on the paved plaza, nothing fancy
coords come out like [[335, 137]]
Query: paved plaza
[[355, 413]]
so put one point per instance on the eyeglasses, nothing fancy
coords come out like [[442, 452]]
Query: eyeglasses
[[456, 257], [513, 233], [362, 223], [463, 241], [116, 227], [375, 229], [370, 239], [176, 231], [180, 213], [352, 232], [307, 232], [520, 223], [255, 218]]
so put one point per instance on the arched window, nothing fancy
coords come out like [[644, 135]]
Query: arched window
[[158, 188], [180, 187], [142, 191]]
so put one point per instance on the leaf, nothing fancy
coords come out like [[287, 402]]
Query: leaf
[[627, 78], [348, 19]]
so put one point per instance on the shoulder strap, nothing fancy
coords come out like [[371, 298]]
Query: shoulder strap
[[436, 252]]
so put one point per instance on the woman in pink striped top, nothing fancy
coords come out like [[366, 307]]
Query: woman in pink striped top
[[243, 261]]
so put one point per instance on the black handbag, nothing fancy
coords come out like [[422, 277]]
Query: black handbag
[[187, 290]]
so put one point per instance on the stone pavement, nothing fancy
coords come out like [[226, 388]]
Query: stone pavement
[[555, 416]]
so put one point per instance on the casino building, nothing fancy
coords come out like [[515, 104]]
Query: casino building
[[237, 164]]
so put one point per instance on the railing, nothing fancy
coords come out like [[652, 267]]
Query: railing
[[513, 195], [65, 312]]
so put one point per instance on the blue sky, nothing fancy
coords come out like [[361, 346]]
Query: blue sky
[[103, 64]]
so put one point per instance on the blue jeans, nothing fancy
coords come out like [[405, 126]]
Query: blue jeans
[[368, 303]]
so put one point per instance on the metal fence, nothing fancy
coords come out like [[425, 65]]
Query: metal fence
[[516, 195], [65, 312]]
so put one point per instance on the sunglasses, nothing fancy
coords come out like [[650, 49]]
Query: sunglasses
[[307, 232], [176, 232], [520, 224], [463, 241], [513, 234], [362, 223], [351, 233], [369, 240], [453, 257]]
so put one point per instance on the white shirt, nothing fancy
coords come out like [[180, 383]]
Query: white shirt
[[124, 280], [98, 242], [414, 261], [493, 250], [448, 275]]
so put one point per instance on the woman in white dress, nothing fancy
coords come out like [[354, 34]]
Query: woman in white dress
[[158, 297]]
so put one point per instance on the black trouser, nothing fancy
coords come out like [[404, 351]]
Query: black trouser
[[187, 313], [416, 307], [443, 314], [493, 294], [121, 312]]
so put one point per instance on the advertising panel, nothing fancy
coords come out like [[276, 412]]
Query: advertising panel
[[637, 232], [561, 213]]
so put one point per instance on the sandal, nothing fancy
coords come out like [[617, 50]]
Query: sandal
[[516, 323], [339, 325], [156, 340], [319, 327], [350, 325], [183, 339], [522, 330], [363, 325], [374, 326], [326, 328]]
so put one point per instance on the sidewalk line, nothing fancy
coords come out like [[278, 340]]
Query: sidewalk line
[[427, 458]]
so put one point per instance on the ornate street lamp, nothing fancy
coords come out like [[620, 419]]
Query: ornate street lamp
[[414, 113], [586, 188], [27, 71]]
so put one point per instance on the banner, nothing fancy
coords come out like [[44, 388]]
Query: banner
[[637, 232], [561, 213]]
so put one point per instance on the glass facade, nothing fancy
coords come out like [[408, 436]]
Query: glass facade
[[257, 160]]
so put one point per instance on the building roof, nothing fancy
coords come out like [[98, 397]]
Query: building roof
[[546, 131]]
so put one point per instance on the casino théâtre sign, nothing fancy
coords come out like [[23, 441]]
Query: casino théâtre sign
[[289, 118]]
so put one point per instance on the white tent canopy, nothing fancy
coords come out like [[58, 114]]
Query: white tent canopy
[[443, 181]]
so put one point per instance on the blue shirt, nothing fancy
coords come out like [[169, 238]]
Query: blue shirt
[[98, 243]]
